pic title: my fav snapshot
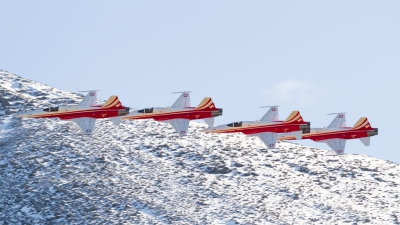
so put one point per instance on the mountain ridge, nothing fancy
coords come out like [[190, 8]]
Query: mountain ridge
[[142, 172]]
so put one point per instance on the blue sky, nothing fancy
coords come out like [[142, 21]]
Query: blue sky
[[314, 56]]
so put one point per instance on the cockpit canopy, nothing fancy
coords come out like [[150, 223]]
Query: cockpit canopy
[[149, 110], [236, 124], [51, 109]]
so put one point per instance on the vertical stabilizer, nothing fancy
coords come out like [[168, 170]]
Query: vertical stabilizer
[[362, 124], [294, 117], [113, 103], [206, 104]]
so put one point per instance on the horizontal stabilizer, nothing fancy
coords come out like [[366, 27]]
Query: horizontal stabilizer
[[116, 120], [298, 135], [365, 140], [209, 121]]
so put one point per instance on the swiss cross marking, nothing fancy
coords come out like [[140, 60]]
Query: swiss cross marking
[[185, 95], [92, 94], [340, 116], [271, 145], [273, 109], [182, 132], [88, 130], [340, 151]]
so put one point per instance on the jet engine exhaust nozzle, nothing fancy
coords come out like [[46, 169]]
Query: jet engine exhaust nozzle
[[215, 114], [372, 133], [305, 128], [123, 111]]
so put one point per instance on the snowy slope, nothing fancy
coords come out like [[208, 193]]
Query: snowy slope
[[142, 172]]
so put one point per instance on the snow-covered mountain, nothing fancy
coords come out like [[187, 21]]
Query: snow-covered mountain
[[142, 172]]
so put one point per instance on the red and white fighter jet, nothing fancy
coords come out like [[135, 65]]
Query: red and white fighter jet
[[84, 114], [267, 128], [336, 134], [180, 113]]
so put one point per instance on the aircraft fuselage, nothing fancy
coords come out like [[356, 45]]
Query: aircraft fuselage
[[251, 127], [160, 114], [319, 134], [72, 112]]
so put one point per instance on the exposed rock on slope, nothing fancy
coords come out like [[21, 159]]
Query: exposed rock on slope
[[142, 172]]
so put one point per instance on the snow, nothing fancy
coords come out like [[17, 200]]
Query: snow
[[142, 172]]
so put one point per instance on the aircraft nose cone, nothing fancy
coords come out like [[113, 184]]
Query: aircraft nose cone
[[206, 130], [20, 115], [133, 113]]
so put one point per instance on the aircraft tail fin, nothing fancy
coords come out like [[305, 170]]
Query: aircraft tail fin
[[362, 124], [294, 117], [113, 103], [206, 104]]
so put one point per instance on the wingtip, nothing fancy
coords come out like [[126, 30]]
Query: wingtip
[[269, 106], [336, 113], [179, 92], [89, 91]]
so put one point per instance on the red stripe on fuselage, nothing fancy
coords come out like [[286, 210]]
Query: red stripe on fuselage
[[187, 114], [345, 134], [92, 113], [275, 128]]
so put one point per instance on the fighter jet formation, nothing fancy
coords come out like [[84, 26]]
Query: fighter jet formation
[[268, 129]]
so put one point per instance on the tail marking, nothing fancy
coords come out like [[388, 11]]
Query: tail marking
[[113, 102], [362, 124], [206, 104], [294, 117]]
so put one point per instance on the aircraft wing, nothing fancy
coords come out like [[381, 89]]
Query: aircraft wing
[[180, 125], [90, 99], [269, 139], [86, 124], [183, 100], [339, 121], [336, 145], [271, 115]]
